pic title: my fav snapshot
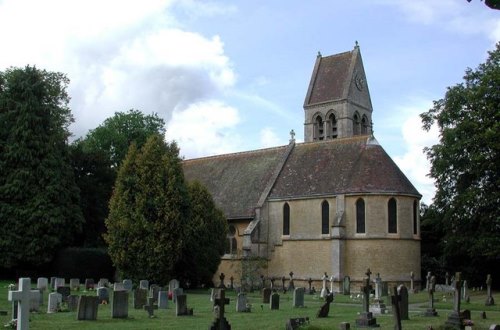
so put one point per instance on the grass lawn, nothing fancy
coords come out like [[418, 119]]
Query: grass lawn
[[261, 317]]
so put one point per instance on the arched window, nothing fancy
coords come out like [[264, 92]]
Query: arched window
[[356, 124], [333, 126], [360, 216], [415, 217], [286, 219], [231, 243], [392, 213], [325, 218], [319, 133], [364, 125]]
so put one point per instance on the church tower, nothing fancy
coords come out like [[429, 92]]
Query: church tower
[[337, 103]]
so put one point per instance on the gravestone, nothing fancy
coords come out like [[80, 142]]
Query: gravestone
[[118, 287], [35, 301], [378, 306], [455, 319], [144, 284], [59, 281], [494, 327], [89, 284], [103, 283], [241, 303], [153, 292], [291, 285], [324, 291], [140, 298], [181, 306], [325, 308], [403, 302], [489, 300], [332, 281], [65, 291], [176, 293], [266, 295], [296, 323], [150, 307], [366, 319], [74, 284], [396, 303], [220, 322], [23, 297], [42, 283], [212, 294], [275, 301], [103, 295], [431, 287], [87, 308], [162, 299], [309, 281], [298, 297], [14, 306], [119, 308], [172, 285], [53, 302], [73, 302], [428, 282], [52, 282], [465, 291], [128, 285], [346, 285], [447, 279], [412, 282]]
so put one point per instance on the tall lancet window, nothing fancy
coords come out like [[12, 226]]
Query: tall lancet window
[[392, 214], [286, 219], [325, 218], [364, 125], [333, 126], [360, 216], [319, 133], [356, 124]]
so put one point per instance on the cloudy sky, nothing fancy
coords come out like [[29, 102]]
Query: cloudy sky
[[231, 76]]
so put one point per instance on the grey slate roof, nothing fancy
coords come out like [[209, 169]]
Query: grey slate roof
[[340, 166]]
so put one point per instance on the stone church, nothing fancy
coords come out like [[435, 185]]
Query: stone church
[[336, 203]]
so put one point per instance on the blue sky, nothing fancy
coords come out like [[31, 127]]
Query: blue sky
[[231, 76]]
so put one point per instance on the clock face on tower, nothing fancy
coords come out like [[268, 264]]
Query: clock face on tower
[[359, 80]]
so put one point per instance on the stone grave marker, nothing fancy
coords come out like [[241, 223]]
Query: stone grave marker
[[332, 281], [103, 295], [35, 301], [309, 281], [266, 295], [23, 297], [345, 326], [128, 285], [275, 301], [494, 327], [378, 306], [396, 300], [42, 283], [59, 281], [172, 285], [346, 285], [176, 293], [52, 282], [162, 299], [117, 286], [296, 323], [74, 284], [465, 291], [119, 308], [447, 279], [455, 319], [241, 303], [220, 322], [212, 294], [89, 284], [298, 297], [153, 292], [144, 284], [150, 307], [140, 298], [13, 287], [428, 282], [489, 300], [65, 291], [53, 303], [325, 308], [291, 285], [181, 306], [324, 291], [103, 283], [412, 282], [366, 318], [73, 302], [403, 302], [87, 308], [431, 287]]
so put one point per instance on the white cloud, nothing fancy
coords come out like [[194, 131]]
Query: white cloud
[[269, 138], [205, 128]]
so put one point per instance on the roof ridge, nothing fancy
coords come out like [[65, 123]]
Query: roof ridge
[[235, 153]]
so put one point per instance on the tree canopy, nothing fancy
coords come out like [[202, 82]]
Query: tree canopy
[[39, 200], [465, 165]]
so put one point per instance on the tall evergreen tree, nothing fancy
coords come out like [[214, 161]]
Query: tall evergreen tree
[[148, 212], [39, 201]]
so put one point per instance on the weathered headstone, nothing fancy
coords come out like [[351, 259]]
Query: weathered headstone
[[42, 283], [172, 285], [52, 282], [103, 282], [87, 308], [74, 284], [465, 291], [162, 299], [366, 318], [54, 300], [403, 302], [117, 286], [73, 302], [128, 285], [489, 300], [346, 285], [298, 297], [325, 308], [431, 287], [65, 291], [324, 290], [275, 301], [241, 302], [396, 300], [378, 306], [296, 323], [291, 285], [332, 281], [153, 292], [119, 308], [494, 327], [181, 306], [140, 298], [59, 282], [176, 293], [220, 322], [345, 326], [144, 284], [103, 295], [23, 297], [150, 307], [455, 319], [89, 284], [266, 295], [35, 301], [428, 282]]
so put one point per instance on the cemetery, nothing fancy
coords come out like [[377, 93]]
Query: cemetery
[[150, 306]]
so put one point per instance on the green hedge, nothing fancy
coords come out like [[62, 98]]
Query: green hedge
[[82, 263]]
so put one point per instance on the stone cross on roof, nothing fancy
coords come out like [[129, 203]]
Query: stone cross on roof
[[23, 296]]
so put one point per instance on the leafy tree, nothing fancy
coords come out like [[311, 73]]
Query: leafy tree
[[466, 167], [205, 238], [39, 201], [148, 212], [96, 158]]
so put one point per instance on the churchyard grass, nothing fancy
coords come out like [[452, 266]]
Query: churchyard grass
[[343, 309]]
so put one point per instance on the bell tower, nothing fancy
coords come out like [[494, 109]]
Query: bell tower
[[337, 104]]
